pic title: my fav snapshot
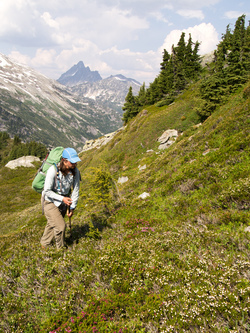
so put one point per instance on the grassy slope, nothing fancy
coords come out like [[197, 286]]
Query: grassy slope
[[176, 261]]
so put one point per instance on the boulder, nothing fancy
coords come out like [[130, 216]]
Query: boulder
[[167, 138], [24, 161], [101, 141], [144, 195], [247, 229], [142, 167], [122, 180]]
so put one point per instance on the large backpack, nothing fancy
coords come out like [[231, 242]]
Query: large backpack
[[53, 158]]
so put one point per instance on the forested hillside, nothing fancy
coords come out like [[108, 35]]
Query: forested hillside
[[11, 149], [160, 238], [229, 70]]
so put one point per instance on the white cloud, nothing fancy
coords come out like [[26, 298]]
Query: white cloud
[[143, 8], [189, 13], [160, 17], [115, 25], [143, 66], [44, 58], [49, 21], [15, 16], [81, 50], [233, 14], [204, 33], [107, 35], [20, 58]]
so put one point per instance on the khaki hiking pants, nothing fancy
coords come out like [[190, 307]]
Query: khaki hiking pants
[[55, 224]]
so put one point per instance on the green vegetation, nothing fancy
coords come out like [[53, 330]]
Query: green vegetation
[[12, 149], [228, 71], [177, 70], [176, 261]]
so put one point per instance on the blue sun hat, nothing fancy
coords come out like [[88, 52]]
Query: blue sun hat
[[71, 155]]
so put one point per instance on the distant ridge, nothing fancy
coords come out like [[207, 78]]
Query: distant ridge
[[40, 109], [107, 93], [125, 79], [79, 74], [110, 91]]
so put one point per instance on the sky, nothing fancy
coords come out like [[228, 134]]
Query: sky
[[125, 37]]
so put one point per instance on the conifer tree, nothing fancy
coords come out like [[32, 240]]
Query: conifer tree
[[231, 68], [165, 80], [141, 98], [196, 61], [152, 93], [17, 140], [129, 106], [189, 69], [246, 51], [177, 69], [235, 71], [179, 64]]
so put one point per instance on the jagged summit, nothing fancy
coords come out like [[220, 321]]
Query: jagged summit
[[110, 90], [79, 74], [89, 84], [37, 108], [125, 79]]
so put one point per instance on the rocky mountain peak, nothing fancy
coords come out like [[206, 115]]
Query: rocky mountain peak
[[40, 109], [125, 79], [79, 74]]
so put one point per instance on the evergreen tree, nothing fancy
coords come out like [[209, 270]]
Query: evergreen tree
[[231, 68], [4, 137], [222, 50], [141, 98], [129, 107], [179, 63], [25, 149], [246, 51], [165, 80], [212, 92], [176, 70], [189, 66], [153, 92], [196, 62], [235, 72], [17, 140]]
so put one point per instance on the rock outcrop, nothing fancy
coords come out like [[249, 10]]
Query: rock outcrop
[[167, 138], [24, 161], [102, 141]]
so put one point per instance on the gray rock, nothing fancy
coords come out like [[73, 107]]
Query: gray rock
[[122, 180], [144, 195], [167, 138], [102, 141], [247, 229], [24, 161], [143, 167]]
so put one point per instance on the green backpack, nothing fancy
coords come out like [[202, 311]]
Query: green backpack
[[53, 158]]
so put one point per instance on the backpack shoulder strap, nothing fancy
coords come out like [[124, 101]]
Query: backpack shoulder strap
[[58, 183]]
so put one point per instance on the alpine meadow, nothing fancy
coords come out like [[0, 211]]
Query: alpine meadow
[[160, 238]]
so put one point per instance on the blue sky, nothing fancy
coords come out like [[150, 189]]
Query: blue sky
[[111, 36]]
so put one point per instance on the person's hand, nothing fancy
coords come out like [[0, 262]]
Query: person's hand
[[67, 201], [70, 212]]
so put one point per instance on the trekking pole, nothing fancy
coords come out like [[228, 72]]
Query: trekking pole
[[69, 221]]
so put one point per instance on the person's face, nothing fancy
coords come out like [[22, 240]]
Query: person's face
[[69, 165]]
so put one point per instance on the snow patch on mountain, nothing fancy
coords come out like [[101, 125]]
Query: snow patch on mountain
[[38, 108], [4, 62], [113, 89]]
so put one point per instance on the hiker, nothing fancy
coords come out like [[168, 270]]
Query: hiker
[[57, 199]]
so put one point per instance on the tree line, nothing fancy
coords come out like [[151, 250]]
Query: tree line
[[11, 149], [228, 70]]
